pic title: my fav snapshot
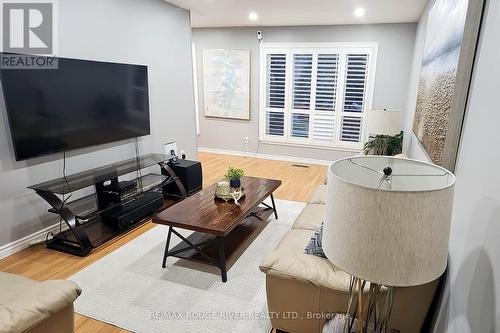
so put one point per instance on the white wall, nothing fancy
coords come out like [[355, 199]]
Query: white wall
[[396, 42], [472, 298], [149, 32]]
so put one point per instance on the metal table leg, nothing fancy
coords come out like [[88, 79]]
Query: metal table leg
[[218, 241], [222, 259], [274, 207], [165, 255]]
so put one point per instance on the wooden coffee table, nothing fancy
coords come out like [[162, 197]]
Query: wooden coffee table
[[222, 230]]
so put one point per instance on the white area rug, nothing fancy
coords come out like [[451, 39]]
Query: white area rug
[[129, 288]]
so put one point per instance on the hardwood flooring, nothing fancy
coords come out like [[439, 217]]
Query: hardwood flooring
[[39, 263]]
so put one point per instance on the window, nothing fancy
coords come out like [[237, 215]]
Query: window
[[316, 94]]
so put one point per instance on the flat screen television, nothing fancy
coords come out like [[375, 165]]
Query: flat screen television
[[82, 103]]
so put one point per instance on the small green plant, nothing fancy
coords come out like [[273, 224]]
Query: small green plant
[[234, 173], [388, 145]]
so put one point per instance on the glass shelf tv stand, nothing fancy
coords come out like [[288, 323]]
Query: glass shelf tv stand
[[84, 216]]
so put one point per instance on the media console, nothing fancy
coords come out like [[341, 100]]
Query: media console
[[115, 207]]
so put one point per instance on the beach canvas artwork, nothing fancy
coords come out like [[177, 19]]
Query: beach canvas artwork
[[451, 37]]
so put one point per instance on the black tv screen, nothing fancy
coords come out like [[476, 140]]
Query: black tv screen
[[82, 103]]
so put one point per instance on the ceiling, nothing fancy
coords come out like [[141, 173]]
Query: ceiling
[[232, 13]]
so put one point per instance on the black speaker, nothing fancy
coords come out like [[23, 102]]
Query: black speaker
[[189, 173]]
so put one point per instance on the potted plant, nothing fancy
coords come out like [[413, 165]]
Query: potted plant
[[388, 145], [234, 175]]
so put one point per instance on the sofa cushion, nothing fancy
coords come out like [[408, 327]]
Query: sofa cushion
[[319, 195], [315, 246], [289, 261], [310, 218], [13, 283], [24, 302]]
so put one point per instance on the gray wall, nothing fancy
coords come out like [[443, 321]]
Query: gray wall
[[472, 298], [150, 32], [396, 42]]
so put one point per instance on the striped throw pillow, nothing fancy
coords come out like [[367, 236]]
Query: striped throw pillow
[[314, 246]]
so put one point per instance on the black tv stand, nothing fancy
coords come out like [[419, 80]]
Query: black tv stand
[[91, 221]]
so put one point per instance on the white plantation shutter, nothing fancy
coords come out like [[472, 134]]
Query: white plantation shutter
[[276, 92], [317, 95], [302, 73], [355, 81], [351, 129], [302, 81], [326, 97], [323, 127], [300, 125], [276, 65], [326, 82], [275, 123]]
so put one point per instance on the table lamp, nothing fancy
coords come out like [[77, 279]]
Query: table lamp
[[387, 223], [384, 122]]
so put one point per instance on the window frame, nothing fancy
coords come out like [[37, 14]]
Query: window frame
[[340, 48]]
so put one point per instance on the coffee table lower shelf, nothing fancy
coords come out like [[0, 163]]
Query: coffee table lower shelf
[[220, 251]]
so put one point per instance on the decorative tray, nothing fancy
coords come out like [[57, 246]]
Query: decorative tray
[[236, 194]]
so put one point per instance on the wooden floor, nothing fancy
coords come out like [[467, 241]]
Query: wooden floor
[[39, 263]]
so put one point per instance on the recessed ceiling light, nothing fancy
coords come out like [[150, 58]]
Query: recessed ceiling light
[[359, 12], [253, 16]]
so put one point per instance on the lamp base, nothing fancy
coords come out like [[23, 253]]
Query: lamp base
[[375, 314]]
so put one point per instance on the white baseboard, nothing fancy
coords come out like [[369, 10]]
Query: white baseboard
[[23, 243], [292, 159]]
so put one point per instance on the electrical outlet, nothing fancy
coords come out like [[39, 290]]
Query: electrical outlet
[[245, 139]]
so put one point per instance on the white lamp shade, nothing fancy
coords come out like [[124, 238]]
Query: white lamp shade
[[383, 122], [394, 236]]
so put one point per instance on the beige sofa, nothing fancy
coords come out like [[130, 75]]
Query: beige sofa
[[303, 289], [36, 307]]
